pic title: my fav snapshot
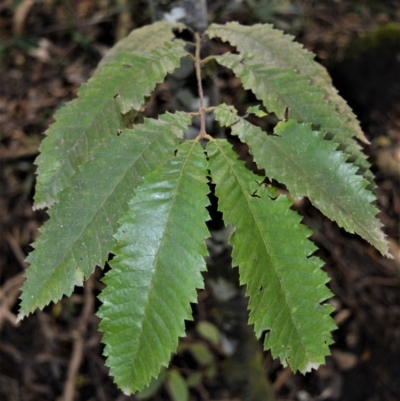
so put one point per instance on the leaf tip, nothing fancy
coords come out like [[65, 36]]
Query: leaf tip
[[310, 366], [126, 391], [20, 317], [23, 312]]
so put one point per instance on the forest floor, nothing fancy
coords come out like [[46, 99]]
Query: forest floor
[[47, 50]]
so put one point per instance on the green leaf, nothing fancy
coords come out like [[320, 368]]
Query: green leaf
[[282, 88], [201, 353], [284, 283], [79, 234], [152, 389], [156, 270], [209, 332], [255, 110], [143, 40], [311, 166], [274, 49], [177, 386], [86, 122]]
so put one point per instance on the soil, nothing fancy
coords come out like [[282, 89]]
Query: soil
[[47, 50]]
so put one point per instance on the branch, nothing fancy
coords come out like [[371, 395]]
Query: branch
[[202, 134]]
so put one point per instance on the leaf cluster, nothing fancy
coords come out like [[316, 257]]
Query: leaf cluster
[[141, 194]]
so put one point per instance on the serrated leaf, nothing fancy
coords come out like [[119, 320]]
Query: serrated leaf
[[311, 166], [143, 40], [255, 109], [79, 234], [152, 389], [282, 88], [274, 49], [86, 122], [156, 270], [284, 283]]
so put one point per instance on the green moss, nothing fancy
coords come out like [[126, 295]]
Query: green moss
[[381, 40]]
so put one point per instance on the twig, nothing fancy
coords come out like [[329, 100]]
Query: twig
[[202, 134], [12, 287], [207, 60], [206, 110], [73, 367], [8, 295], [17, 251], [79, 342]]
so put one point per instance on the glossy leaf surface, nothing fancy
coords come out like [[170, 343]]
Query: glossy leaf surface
[[311, 166], [156, 269], [79, 234]]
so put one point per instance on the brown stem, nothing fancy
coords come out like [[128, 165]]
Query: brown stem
[[202, 134]]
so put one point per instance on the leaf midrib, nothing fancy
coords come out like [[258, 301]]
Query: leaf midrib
[[271, 257], [310, 179], [162, 239], [65, 256], [244, 50]]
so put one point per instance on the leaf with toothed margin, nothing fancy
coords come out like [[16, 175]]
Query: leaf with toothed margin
[[156, 270], [143, 40], [285, 285], [311, 166], [79, 234], [275, 49], [282, 89], [86, 122]]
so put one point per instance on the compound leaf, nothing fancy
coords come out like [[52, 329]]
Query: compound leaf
[[156, 269], [274, 49], [282, 88], [86, 122], [311, 166], [79, 234], [284, 284]]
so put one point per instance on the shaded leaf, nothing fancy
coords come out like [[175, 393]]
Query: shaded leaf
[[282, 88], [284, 283], [201, 353], [274, 49], [79, 234], [209, 332], [177, 386], [311, 166], [143, 40], [86, 122], [156, 270]]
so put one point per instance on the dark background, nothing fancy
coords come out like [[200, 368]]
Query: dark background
[[47, 49]]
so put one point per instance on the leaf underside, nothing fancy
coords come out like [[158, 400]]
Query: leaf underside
[[281, 88], [143, 40], [156, 270], [79, 234], [311, 166], [86, 122], [284, 284], [274, 49]]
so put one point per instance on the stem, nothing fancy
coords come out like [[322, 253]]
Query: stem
[[207, 60], [197, 113], [202, 111]]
